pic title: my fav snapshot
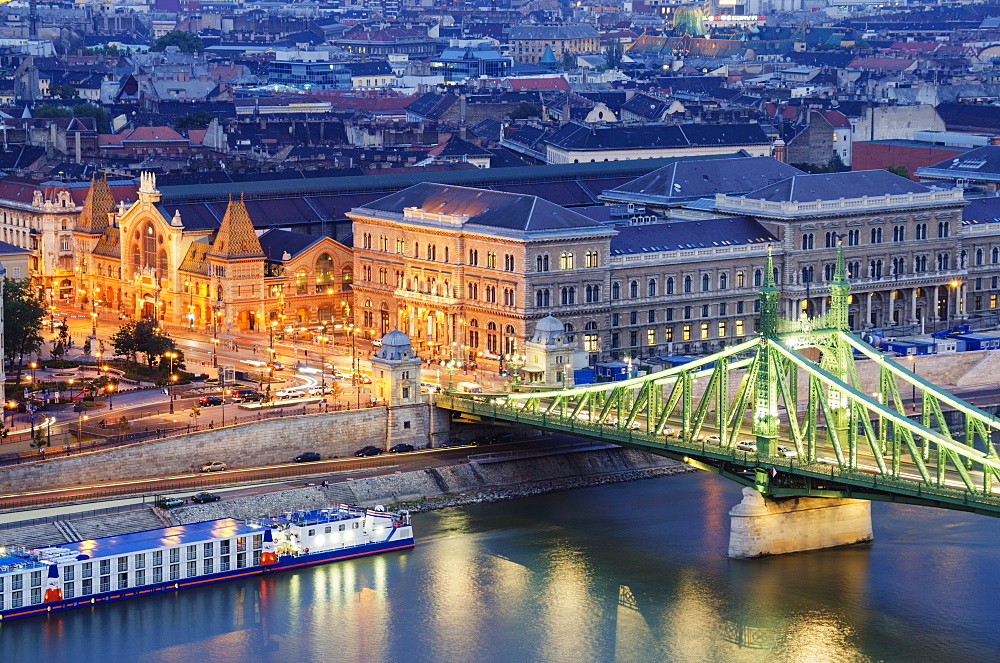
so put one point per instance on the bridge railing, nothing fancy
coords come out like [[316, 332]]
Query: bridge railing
[[794, 466]]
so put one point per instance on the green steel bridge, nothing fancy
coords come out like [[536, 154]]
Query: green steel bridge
[[785, 413]]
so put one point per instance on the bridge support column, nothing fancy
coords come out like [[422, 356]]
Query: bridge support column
[[760, 526]]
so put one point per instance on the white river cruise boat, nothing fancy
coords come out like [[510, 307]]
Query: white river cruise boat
[[44, 580]]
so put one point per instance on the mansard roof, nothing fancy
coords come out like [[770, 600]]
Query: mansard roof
[[683, 235], [687, 180], [495, 209], [834, 186]]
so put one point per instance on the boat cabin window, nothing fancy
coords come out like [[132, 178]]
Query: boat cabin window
[[224, 547], [208, 550]]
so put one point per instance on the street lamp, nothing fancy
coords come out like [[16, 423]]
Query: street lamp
[[33, 365], [111, 392], [913, 385]]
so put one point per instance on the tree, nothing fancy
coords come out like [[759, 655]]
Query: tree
[[39, 440], [898, 170], [125, 342], [197, 120], [523, 111], [64, 91], [51, 110], [96, 112], [185, 41], [61, 342], [134, 338], [124, 425], [568, 60], [22, 323], [195, 412], [87, 347], [613, 54]]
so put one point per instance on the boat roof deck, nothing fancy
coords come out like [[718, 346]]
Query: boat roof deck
[[165, 537]]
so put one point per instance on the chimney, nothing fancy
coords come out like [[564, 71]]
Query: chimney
[[778, 150], [79, 156], [462, 102]]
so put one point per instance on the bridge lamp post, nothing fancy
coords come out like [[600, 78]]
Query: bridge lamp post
[[913, 386]]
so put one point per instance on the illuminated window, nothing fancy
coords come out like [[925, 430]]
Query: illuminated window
[[739, 328], [686, 333], [668, 334], [722, 330], [704, 330], [650, 337], [566, 260]]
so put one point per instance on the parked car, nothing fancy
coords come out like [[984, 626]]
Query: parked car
[[453, 442], [206, 401], [169, 502], [202, 498], [307, 457], [368, 451], [786, 452], [321, 391], [400, 448], [214, 466], [747, 445], [240, 395], [291, 392]]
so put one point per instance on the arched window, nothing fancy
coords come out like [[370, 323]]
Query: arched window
[[542, 298], [740, 280], [687, 284], [347, 276], [723, 281], [324, 314], [670, 285], [757, 276], [807, 241], [828, 271], [651, 288], [633, 289], [149, 247], [324, 272], [705, 282], [566, 260], [616, 290], [301, 281], [979, 256], [995, 255]]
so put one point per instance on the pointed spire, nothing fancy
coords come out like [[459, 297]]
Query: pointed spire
[[96, 206], [768, 294], [769, 272], [236, 237], [840, 290]]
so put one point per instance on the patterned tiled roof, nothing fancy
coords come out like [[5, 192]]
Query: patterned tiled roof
[[96, 206], [236, 237]]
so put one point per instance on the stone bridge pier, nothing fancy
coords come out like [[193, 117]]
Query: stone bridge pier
[[761, 526]]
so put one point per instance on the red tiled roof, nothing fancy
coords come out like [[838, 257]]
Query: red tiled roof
[[883, 64], [196, 136], [154, 133], [836, 118]]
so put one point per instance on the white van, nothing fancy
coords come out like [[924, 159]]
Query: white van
[[468, 388]]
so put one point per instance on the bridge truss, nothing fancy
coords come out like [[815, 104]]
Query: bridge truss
[[788, 414]]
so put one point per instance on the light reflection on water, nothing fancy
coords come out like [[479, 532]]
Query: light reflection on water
[[629, 572]]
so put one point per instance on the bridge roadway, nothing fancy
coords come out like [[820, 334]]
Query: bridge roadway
[[794, 476]]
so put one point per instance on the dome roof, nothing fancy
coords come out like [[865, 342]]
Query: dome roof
[[396, 347], [550, 324]]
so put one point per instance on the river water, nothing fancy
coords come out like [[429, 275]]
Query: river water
[[623, 572]]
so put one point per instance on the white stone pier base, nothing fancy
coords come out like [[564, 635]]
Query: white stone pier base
[[761, 527]]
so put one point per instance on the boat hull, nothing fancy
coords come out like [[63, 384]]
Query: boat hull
[[284, 563]]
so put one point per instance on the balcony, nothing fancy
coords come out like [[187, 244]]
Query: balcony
[[424, 297], [689, 255], [868, 284], [888, 201]]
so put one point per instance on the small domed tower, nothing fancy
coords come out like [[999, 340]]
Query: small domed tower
[[396, 371], [549, 355]]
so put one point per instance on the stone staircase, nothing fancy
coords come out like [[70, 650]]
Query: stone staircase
[[340, 493], [38, 535], [112, 524]]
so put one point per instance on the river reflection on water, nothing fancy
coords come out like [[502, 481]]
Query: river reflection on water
[[626, 572]]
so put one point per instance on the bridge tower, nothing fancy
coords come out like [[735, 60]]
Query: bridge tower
[[765, 413], [396, 381]]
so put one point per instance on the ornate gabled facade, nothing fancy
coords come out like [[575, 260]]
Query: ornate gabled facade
[[144, 262]]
